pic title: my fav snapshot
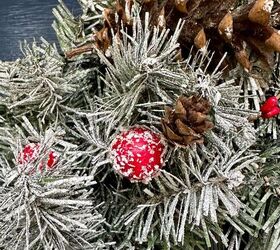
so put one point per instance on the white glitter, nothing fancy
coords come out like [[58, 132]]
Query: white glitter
[[129, 136], [143, 147], [55, 154], [228, 32], [268, 5], [127, 173], [148, 135]]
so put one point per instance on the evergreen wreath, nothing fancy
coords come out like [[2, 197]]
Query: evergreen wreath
[[154, 125]]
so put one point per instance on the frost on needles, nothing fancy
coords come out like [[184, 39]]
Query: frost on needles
[[223, 193]]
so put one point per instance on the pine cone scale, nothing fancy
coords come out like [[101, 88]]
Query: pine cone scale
[[196, 118], [169, 133], [183, 129], [179, 108]]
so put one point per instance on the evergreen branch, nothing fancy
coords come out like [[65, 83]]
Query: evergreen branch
[[140, 66], [45, 216], [39, 85], [43, 209], [197, 199], [75, 32]]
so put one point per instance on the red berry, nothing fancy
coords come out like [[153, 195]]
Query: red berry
[[138, 153], [53, 156], [269, 104], [30, 154], [272, 113]]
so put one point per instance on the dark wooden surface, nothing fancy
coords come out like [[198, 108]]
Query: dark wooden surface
[[26, 19]]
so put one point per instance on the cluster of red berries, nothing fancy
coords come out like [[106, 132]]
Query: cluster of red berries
[[271, 107], [31, 153]]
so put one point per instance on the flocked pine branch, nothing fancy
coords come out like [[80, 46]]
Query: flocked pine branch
[[145, 75], [76, 31], [47, 209], [66, 26], [202, 194], [92, 143], [215, 169], [224, 192], [141, 68], [38, 214], [40, 84], [262, 199]]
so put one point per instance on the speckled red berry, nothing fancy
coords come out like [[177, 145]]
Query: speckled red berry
[[138, 153], [31, 152]]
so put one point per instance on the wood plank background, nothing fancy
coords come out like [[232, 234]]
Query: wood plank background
[[26, 19]]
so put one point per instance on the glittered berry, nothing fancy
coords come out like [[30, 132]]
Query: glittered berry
[[138, 153], [52, 160], [31, 152], [269, 104], [272, 113]]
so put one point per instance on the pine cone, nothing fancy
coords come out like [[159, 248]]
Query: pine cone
[[186, 123], [239, 31]]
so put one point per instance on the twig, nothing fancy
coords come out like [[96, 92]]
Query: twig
[[80, 50]]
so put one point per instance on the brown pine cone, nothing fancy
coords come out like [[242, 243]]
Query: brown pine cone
[[237, 31], [230, 29], [186, 123]]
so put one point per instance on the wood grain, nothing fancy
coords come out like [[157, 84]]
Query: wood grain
[[26, 19]]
